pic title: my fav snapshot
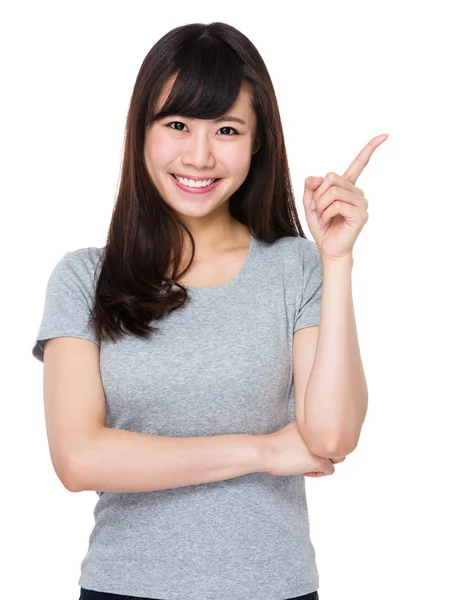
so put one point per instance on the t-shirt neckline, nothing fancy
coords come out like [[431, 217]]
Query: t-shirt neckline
[[232, 282]]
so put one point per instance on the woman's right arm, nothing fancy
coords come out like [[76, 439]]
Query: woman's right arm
[[87, 455]]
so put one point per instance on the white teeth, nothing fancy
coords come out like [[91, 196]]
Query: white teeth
[[195, 184]]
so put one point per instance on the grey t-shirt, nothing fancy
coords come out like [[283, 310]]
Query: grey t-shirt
[[219, 365]]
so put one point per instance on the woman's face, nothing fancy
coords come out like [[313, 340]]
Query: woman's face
[[201, 149]]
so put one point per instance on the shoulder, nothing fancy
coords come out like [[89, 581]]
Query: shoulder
[[293, 243], [77, 268], [87, 257], [294, 250], [82, 260]]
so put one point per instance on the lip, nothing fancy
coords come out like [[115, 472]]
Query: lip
[[199, 190], [194, 178]]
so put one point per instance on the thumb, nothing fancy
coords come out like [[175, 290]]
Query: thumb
[[310, 185]]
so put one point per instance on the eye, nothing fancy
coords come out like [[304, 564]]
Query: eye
[[177, 122], [232, 128]]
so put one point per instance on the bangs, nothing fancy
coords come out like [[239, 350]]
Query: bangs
[[209, 77]]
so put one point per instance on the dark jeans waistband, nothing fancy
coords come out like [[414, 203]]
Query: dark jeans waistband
[[92, 595]]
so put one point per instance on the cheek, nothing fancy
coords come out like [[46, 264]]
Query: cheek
[[157, 150], [236, 160]]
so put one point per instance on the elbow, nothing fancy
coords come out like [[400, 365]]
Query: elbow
[[69, 476], [317, 442], [328, 445], [340, 450], [72, 485], [343, 446], [333, 450]]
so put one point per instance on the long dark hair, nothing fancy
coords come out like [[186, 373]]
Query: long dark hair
[[145, 238]]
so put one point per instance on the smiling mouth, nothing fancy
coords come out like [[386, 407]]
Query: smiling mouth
[[213, 180], [197, 189]]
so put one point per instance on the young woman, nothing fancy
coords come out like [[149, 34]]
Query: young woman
[[170, 352]]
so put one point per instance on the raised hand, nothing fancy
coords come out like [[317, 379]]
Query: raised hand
[[336, 210]]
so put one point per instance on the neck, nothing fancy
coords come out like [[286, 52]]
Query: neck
[[220, 238]]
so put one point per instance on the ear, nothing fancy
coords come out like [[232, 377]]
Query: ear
[[256, 147]]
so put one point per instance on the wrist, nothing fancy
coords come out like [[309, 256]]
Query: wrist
[[347, 260], [264, 450]]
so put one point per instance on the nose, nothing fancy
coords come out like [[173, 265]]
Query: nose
[[198, 152]]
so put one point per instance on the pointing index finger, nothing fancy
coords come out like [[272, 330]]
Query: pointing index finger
[[354, 170]]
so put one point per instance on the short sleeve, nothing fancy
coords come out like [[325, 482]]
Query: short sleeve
[[309, 311], [68, 301]]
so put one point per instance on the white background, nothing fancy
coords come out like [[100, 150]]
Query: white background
[[343, 73]]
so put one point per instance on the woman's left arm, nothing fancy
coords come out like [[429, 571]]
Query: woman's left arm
[[336, 394]]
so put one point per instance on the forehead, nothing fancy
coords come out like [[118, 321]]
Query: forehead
[[242, 105]]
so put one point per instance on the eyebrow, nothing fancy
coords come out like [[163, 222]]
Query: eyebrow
[[229, 118], [224, 118]]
